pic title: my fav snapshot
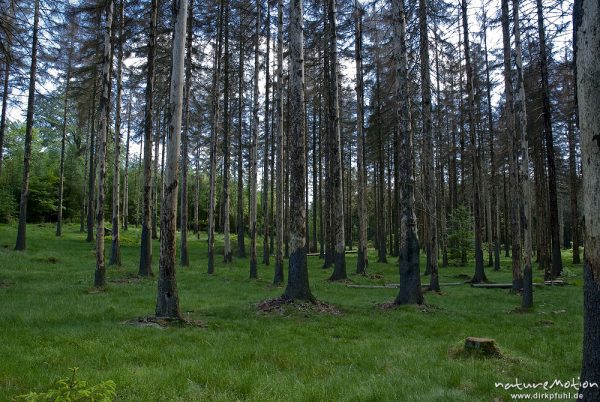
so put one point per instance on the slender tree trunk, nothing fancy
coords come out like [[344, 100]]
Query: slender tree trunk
[[574, 187], [493, 182], [362, 261], [547, 120], [410, 278], [253, 147], [185, 258], [227, 256], [22, 229], [265, 188], [525, 194], [115, 250], [126, 171], [213, 142], [339, 271], [5, 88], [380, 211], [513, 154], [92, 168], [587, 51], [241, 252], [158, 137], [104, 115], [167, 301], [145, 268], [479, 275], [278, 127], [297, 287], [429, 171], [63, 144], [83, 211]]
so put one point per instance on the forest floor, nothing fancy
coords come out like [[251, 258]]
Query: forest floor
[[52, 320]]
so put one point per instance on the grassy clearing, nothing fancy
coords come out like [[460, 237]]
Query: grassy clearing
[[51, 321]]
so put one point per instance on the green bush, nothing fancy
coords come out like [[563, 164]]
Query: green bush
[[460, 236], [8, 205], [71, 390]]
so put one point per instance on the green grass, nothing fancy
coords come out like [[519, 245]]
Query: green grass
[[50, 321]]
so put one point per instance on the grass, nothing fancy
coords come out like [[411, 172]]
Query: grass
[[51, 321]]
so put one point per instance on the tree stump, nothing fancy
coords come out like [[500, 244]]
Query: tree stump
[[483, 346]]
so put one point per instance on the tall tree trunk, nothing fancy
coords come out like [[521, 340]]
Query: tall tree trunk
[[126, 171], [297, 287], [362, 260], [429, 171], [185, 258], [574, 187], [493, 183], [5, 88], [159, 136], [104, 115], [525, 194], [339, 270], [479, 275], [587, 51], [63, 143], [278, 127], [115, 250], [92, 168], [227, 256], [513, 153], [410, 278], [82, 214], [241, 247], [213, 141], [265, 188], [167, 301], [547, 120], [380, 211], [145, 268], [22, 229], [253, 147]]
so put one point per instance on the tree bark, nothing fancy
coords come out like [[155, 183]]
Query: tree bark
[[115, 250], [104, 115], [225, 203], [22, 229], [265, 183], [63, 143], [362, 260], [547, 119], [297, 287], [513, 152], [479, 275], [410, 278], [587, 51], [429, 172], [278, 127], [574, 188], [126, 171], [525, 194], [337, 188], [145, 268], [167, 301], [184, 259], [253, 148]]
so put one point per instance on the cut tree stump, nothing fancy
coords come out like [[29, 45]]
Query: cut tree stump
[[484, 346]]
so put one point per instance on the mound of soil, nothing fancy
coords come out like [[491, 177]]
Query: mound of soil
[[283, 306], [161, 322]]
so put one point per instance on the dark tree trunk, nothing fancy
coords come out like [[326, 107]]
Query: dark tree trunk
[[573, 183], [547, 120], [63, 143], [241, 247], [145, 268], [479, 275], [167, 300], [185, 258], [4, 108], [104, 115], [297, 287], [278, 127], [410, 278], [225, 203], [513, 154], [265, 183], [587, 51], [22, 229], [253, 148], [362, 260], [115, 249], [126, 171]]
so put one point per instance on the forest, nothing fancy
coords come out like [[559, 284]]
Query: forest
[[172, 173]]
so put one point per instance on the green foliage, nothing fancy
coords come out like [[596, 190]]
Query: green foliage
[[74, 390], [8, 205], [460, 235]]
